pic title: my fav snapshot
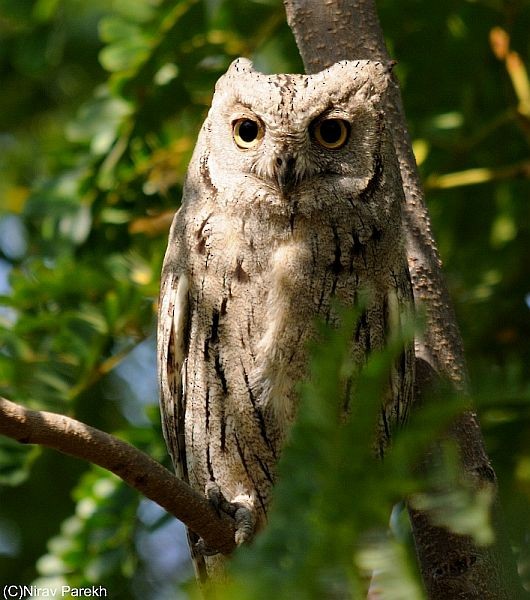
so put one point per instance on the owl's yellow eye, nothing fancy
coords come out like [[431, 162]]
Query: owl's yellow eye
[[332, 133], [247, 133]]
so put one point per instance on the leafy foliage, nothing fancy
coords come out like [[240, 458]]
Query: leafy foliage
[[100, 107], [96, 543]]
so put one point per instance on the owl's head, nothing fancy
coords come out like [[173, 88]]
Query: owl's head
[[288, 132]]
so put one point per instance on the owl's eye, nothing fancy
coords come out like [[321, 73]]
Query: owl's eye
[[332, 133], [247, 133]]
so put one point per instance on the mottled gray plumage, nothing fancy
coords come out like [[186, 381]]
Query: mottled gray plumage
[[280, 218]]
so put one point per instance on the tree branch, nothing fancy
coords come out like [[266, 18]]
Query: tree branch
[[131, 465]]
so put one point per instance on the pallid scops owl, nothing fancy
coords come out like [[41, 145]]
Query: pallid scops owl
[[292, 204]]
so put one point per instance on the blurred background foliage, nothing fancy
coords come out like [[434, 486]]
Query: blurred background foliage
[[100, 105]]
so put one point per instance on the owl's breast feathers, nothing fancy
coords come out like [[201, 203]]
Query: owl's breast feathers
[[238, 305]]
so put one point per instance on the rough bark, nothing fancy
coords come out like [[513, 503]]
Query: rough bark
[[127, 462], [452, 566]]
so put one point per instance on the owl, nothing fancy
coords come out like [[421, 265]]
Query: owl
[[291, 207]]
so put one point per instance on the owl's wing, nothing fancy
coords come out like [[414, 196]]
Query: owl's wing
[[173, 321], [172, 348], [173, 318]]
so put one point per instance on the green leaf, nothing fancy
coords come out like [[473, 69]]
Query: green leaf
[[113, 29], [125, 55], [98, 122]]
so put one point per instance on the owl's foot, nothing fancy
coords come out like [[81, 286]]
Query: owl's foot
[[240, 509]]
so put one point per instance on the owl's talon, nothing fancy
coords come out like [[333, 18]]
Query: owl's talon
[[216, 497], [240, 510], [202, 548], [245, 524], [218, 501]]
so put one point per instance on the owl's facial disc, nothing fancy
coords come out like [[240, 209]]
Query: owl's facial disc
[[286, 159]]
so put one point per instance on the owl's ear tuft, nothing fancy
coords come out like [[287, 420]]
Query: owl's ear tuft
[[241, 65], [366, 80], [374, 77], [237, 67]]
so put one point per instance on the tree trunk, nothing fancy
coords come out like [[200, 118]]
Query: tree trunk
[[452, 566]]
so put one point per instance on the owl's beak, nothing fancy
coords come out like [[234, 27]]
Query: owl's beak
[[286, 174]]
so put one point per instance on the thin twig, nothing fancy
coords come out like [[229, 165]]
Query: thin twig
[[478, 175]]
